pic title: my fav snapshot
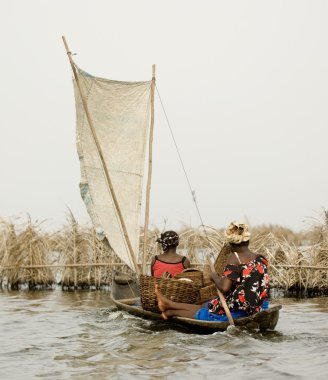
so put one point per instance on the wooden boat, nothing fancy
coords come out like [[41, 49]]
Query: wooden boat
[[125, 295], [114, 122]]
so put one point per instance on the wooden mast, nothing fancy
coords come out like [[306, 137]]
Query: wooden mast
[[150, 166], [95, 138]]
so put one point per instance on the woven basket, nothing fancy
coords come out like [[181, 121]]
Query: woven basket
[[222, 259], [193, 274], [208, 292], [207, 275], [175, 290]]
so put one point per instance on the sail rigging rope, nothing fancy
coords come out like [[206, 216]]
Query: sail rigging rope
[[193, 194]]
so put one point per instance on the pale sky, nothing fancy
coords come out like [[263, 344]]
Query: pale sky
[[245, 87]]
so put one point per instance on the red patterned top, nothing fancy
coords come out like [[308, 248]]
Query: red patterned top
[[161, 267], [250, 287]]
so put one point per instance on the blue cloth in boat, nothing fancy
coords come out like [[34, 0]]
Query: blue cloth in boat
[[204, 315]]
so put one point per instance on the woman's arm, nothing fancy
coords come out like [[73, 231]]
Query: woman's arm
[[186, 263], [222, 283], [151, 266]]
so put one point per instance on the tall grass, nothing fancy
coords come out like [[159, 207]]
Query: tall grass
[[78, 245], [23, 246], [74, 258]]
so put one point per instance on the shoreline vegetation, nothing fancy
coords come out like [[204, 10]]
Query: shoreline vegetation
[[73, 258]]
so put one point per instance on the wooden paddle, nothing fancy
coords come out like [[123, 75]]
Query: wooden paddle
[[222, 299]]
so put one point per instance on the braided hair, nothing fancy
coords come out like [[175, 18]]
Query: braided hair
[[168, 240]]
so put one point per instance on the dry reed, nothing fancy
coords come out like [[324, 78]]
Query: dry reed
[[74, 258], [24, 246], [80, 252]]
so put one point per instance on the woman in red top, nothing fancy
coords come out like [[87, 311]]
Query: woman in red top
[[169, 261]]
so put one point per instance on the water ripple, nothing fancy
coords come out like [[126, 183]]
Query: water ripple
[[79, 335]]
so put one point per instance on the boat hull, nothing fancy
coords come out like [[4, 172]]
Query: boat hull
[[126, 298]]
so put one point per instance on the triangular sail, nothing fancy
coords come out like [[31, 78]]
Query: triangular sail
[[119, 112]]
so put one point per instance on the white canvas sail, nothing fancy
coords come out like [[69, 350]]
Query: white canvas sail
[[119, 112]]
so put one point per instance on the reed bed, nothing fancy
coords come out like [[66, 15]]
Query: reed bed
[[85, 261], [74, 258], [24, 255]]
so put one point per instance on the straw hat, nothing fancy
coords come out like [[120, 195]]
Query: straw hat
[[237, 233]]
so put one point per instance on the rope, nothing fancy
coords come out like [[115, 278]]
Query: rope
[[193, 194]]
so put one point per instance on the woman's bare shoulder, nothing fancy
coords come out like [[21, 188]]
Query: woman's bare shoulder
[[232, 259], [241, 258]]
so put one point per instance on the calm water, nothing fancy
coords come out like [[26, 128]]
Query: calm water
[[61, 335]]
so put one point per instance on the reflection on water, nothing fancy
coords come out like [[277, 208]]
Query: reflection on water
[[79, 335]]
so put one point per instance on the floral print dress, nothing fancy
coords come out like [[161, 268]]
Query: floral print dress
[[249, 290]]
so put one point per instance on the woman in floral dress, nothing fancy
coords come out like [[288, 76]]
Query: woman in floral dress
[[244, 283]]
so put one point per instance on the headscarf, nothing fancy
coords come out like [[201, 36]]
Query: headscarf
[[237, 233], [168, 239]]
